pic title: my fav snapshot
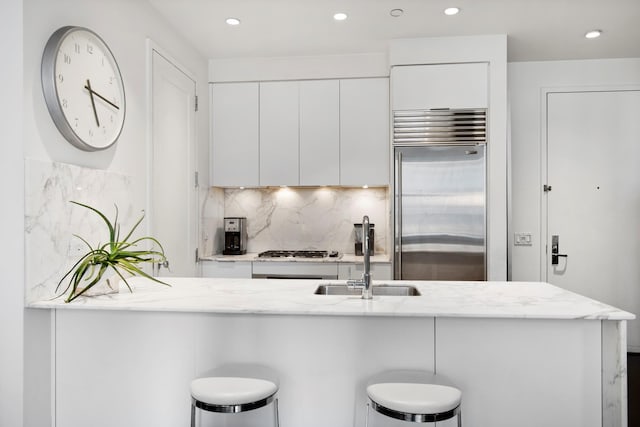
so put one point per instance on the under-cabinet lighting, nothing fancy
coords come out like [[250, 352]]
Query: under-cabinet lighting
[[242, 188], [233, 21], [340, 16], [593, 34], [365, 186], [451, 11]]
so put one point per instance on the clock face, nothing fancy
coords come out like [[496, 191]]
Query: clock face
[[83, 88]]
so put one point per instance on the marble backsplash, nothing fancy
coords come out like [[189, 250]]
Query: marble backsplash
[[51, 221], [317, 218]]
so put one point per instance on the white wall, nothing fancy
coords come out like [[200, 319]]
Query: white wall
[[526, 81], [298, 67], [125, 25], [11, 215]]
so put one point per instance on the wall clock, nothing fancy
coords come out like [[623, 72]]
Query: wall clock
[[83, 88]]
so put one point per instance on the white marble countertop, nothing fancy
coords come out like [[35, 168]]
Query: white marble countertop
[[295, 297], [253, 256]]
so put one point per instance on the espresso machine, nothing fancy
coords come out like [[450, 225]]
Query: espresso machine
[[235, 236]]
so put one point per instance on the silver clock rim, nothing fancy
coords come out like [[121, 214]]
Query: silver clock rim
[[50, 91]]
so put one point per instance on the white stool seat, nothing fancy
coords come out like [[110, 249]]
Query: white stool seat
[[231, 390], [415, 398]]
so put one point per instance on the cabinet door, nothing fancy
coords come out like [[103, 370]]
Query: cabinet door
[[320, 132], [279, 133], [227, 269], [234, 134], [364, 132], [418, 87], [379, 271]]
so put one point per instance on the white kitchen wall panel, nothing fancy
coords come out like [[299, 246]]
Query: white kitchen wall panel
[[279, 153], [320, 132], [420, 87], [234, 134], [364, 132], [318, 218], [51, 248]]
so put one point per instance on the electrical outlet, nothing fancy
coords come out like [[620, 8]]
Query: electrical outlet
[[523, 239]]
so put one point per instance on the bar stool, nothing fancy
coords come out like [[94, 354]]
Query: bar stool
[[232, 395], [415, 402]]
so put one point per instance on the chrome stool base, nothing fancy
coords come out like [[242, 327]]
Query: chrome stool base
[[213, 395], [414, 418]]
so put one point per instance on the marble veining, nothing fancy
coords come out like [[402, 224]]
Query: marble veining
[[50, 220], [285, 297], [318, 218]]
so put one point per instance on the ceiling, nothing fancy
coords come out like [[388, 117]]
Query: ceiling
[[536, 29]]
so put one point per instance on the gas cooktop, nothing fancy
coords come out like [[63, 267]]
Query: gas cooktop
[[297, 254]]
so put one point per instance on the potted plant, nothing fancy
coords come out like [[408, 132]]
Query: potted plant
[[117, 254]]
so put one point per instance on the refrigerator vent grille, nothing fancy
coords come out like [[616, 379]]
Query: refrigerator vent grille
[[440, 126]]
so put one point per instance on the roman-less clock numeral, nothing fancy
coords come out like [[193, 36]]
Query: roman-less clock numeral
[[83, 88]]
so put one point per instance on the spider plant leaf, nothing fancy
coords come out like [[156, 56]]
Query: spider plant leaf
[[132, 268], [134, 228], [71, 270], [89, 286], [106, 220], [122, 277], [85, 242]]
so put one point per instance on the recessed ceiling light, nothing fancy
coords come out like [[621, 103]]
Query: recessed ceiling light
[[233, 21], [593, 34], [396, 12], [340, 16], [451, 11]]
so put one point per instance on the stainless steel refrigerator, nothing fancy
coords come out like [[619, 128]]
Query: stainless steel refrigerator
[[440, 195]]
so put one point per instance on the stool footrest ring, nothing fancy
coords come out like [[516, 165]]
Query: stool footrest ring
[[416, 418], [233, 408]]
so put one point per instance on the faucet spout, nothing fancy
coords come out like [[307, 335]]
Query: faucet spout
[[366, 244]]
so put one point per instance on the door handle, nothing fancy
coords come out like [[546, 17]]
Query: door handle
[[555, 250]]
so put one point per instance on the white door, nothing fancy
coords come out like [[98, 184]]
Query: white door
[[593, 168], [173, 204]]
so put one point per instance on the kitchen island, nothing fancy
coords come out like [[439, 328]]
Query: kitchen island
[[525, 354]]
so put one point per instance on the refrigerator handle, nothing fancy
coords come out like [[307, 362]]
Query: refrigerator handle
[[398, 216]]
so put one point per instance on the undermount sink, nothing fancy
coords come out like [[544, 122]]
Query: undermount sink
[[378, 290]]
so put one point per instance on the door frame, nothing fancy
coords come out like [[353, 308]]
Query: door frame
[[544, 149], [151, 48]]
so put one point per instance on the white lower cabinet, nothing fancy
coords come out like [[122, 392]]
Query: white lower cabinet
[[379, 271], [295, 270], [227, 269]]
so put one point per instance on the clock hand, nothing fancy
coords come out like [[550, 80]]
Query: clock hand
[[88, 87], [93, 104]]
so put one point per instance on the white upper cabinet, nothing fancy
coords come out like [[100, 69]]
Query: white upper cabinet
[[420, 87], [234, 134], [320, 132], [279, 133], [364, 132]]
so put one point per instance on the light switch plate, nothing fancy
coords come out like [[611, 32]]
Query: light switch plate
[[523, 239]]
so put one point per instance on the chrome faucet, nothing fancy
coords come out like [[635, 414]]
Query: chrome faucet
[[365, 282]]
